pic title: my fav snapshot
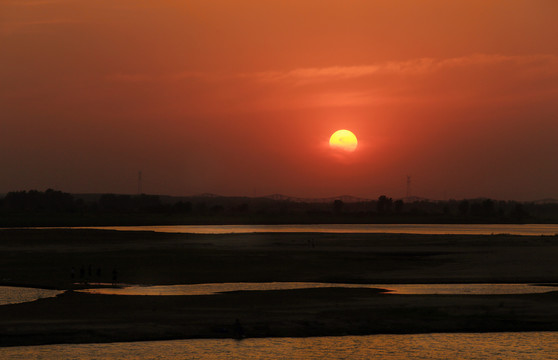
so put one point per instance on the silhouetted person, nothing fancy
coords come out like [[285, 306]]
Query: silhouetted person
[[238, 330], [114, 276], [73, 273]]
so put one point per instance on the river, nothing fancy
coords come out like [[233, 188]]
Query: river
[[517, 346], [463, 229]]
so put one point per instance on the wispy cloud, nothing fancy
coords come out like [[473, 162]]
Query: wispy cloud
[[411, 67], [479, 77], [542, 63]]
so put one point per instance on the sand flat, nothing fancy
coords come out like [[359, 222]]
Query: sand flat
[[45, 258]]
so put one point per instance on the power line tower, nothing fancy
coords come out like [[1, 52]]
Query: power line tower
[[408, 186], [139, 183]]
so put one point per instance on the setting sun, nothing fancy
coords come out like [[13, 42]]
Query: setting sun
[[343, 140]]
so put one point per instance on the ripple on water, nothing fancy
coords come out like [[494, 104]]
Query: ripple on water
[[407, 289], [463, 229], [517, 346]]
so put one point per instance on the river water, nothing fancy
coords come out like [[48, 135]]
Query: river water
[[517, 346], [15, 295], [463, 229], [403, 289]]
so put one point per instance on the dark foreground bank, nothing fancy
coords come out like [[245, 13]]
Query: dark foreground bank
[[60, 258], [54, 258], [84, 318]]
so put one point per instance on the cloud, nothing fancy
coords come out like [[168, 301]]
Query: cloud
[[421, 66], [544, 64], [463, 81]]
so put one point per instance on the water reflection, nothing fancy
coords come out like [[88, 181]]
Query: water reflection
[[409, 289], [16, 295], [518, 346], [463, 229]]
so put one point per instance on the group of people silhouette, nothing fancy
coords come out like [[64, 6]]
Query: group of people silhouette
[[86, 274]]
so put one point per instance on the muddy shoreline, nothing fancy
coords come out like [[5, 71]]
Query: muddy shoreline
[[45, 258]]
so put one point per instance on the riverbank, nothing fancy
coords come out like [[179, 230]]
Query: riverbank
[[45, 258], [84, 318], [60, 258]]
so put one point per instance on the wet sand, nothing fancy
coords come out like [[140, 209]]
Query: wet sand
[[45, 257]]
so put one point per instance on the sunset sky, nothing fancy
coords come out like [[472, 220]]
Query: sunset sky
[[239, 97]]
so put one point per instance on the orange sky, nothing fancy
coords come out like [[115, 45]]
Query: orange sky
[[240, 97]]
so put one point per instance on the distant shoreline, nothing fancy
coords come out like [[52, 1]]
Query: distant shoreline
[[55, 208], [424, 229]]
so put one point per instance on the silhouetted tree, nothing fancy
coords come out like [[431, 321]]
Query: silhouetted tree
[[37, 201], [463, 208], [483, 209], [201, 207], [242, 208], [118, 203], [384, 204], [217, 209], [398, 206], [487, 207], [519, 213], [338, 206], [182, 207], [146, 203]]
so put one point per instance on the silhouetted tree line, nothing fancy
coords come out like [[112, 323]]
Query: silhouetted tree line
[[129, 203], [265, 210], [36, 201]]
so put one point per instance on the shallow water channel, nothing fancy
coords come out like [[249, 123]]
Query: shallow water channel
[[16, 295], [505, 346], [407, 289], [441, 229]]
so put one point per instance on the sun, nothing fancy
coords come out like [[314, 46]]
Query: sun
[[343, 140]]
